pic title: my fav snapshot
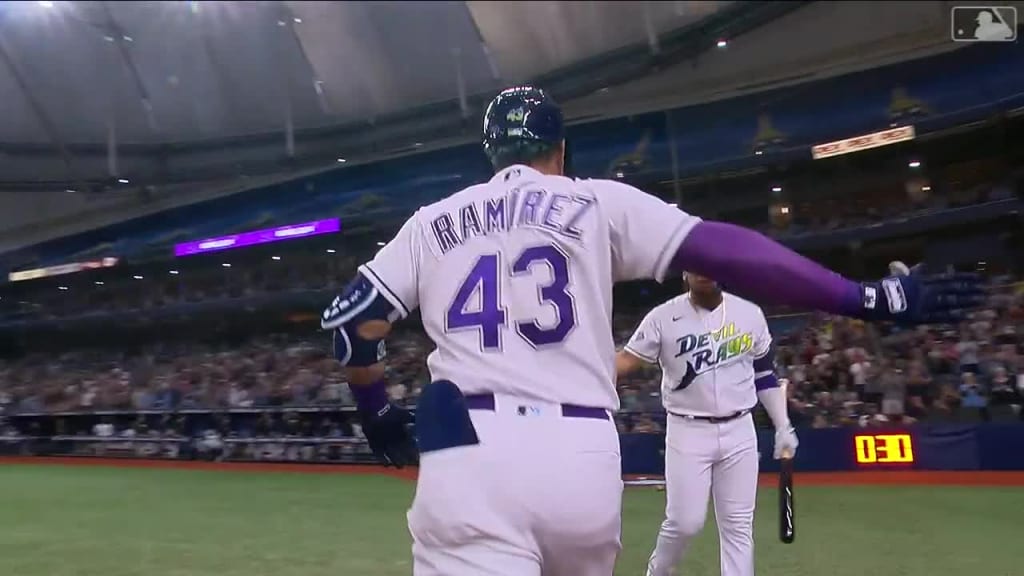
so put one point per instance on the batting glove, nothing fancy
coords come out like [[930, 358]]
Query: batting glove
[[785, 442], [390, 436], [909, 296]]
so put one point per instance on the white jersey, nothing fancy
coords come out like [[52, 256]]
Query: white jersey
[[514, 278], [706, 357]]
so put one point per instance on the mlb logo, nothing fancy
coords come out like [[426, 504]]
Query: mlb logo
[[983, 24]]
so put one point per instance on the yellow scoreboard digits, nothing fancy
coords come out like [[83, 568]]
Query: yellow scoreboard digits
[[884, 448]]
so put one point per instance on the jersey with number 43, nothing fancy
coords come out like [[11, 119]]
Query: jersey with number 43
[[514, 278]]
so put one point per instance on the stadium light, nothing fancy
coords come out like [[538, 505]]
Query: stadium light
[[382, 243], [914, 164], [226, 265], [297, 20], [173, 272], [341, 160], [758, 152], [98, 283], [619, 174], [926, 188], [281, 23], [331, 250], [417, 144], [70, 191], [776, 189], [137, 277], [122, 180], [722, 43], [784, 209], [62, 287], [275, 257]]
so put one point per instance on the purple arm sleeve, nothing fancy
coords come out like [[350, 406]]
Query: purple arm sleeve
[[372, 398], [763, 270]]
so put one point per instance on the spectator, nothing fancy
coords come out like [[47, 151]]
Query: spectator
[[971, 392], [893, 385]]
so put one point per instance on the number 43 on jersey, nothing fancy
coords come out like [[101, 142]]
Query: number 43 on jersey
[[490, 315]]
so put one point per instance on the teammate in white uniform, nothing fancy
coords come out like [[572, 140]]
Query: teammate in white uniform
[[519, 467], [715, 351]]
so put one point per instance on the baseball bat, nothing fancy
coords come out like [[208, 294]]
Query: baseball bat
[[787, 526]]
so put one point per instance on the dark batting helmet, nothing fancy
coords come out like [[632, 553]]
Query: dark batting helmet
[[520, 124]]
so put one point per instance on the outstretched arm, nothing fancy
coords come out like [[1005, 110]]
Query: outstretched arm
[[767, 272]]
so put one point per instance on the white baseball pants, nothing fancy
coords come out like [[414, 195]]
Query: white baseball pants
[[540, 495], [702, 459]]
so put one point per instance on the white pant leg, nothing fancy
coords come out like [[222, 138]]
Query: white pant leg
[[691, 447], [540, 494], [582, 517], [734, 485]]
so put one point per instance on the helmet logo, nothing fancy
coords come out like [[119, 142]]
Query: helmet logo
[[515, 115]]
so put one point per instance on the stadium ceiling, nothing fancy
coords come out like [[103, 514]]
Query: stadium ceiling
[[175, 92]]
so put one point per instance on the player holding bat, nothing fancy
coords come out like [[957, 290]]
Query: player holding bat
[[715, 352]]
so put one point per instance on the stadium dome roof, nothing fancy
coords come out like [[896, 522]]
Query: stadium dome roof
[[94, 90]]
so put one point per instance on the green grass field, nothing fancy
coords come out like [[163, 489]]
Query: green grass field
[[85, 521]]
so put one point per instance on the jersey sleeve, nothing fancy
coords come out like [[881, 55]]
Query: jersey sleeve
[[645, 343], [395, 270], [645, 230]]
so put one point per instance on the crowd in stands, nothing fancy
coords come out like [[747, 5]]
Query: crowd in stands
[[838, 372], [875, 206], [158, 287], [237, 275]]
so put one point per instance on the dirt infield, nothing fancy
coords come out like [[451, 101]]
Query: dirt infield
[[874, 477]]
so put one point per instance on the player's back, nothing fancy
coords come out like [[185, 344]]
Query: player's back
[[515, 276]]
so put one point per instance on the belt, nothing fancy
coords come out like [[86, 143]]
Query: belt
[[715, 419], [486, 402]]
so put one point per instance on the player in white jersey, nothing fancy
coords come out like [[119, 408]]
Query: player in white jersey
[[519, 467], [715, 353]]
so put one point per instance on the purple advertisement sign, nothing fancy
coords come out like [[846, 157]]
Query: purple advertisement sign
[[258, 237]]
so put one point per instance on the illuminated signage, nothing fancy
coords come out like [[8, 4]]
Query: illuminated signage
[[884, 448], [61, 269], [258, 237], [866, 142]]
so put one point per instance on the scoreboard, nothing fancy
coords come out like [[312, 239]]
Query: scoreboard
[[883, 449]]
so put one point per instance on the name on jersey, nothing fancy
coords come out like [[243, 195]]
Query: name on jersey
[[710, 349], [521, 208]]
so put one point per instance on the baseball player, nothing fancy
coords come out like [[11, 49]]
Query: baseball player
[[519, 458], [715, 351]]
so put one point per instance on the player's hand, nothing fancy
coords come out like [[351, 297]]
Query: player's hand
[[785, 442], [389, 434], [909, 296]]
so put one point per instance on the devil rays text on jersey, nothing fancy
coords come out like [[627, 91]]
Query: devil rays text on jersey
[[702, 352], [706, 356]]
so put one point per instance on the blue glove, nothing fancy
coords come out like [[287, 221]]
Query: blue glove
[[389, 432], [908, 296]]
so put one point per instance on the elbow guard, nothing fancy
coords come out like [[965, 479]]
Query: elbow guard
[[359, 303]]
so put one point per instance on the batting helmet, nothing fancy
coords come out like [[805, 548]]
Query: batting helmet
[[521, 123]]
